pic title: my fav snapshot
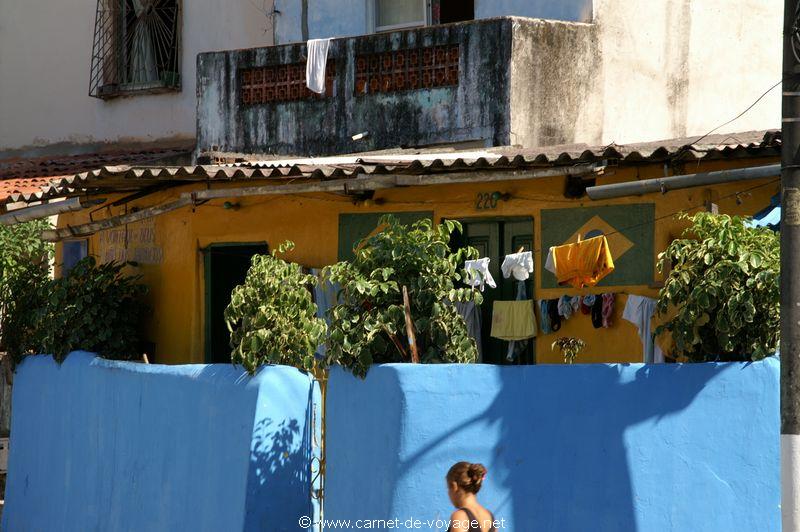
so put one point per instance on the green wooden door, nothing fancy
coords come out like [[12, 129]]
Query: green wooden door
[[495, 238]]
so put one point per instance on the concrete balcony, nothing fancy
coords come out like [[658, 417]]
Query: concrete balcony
[[491, 82]]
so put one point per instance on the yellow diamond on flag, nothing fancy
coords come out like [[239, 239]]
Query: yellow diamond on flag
[[617, 242]]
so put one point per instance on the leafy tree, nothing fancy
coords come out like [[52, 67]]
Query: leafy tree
[[272, 318], [95, 308], [24, 268], [368, 326], [724, 288]]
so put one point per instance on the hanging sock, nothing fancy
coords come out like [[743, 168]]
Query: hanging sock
[[544, 316], [608, 309], [584, 263], [586, 304], [597, 313], [478, 273], [565, 309], [520, 265], [552, 310]]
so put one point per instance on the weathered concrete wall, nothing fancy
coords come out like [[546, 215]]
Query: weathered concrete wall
[[607, 448], [45, 57], [103, 445], [555, 97], [476, 109], [674, 68]]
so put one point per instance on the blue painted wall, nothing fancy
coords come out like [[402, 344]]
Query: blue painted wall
[[101, 445], [596, 447], [346, 18]]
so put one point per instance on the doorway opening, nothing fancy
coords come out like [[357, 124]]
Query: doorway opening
[[226, 266], [495, 238]]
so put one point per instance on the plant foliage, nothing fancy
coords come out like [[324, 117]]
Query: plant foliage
[[724, 287], [24, 268], [569, 347], [93, 308], [368, 325], [272, 318]]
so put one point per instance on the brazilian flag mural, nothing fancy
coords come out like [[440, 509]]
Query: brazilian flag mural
[[628, 228]]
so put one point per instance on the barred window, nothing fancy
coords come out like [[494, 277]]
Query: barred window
[[136, 47]]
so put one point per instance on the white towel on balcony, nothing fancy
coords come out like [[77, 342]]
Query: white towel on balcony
[[316, 59]]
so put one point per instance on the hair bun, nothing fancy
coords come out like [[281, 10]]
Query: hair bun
[[476, 472]]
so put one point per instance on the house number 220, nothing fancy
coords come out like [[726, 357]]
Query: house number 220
[[486, 200]]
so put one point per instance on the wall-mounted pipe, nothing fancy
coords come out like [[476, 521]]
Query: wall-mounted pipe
[[664, 184], [46, 210]]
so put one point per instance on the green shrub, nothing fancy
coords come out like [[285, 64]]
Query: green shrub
[[368, 326], [94, 308], [724, 285], [24, 268], [272, 318]]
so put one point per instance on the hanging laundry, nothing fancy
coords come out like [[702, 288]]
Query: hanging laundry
[[316, 61], [575, 301], [478, 273], [549, 263], [608, 309], [640, 310], [513, 320], [597, 313], [544, 316], [586, 303], [552, 311], [583, 263], [517, 347], [472, 316], [520, 265], [565, 309]]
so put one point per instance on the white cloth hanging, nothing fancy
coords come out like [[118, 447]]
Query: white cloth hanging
[[520, 265], [316, 60], [478, 273], [550, 263], [639, 310]]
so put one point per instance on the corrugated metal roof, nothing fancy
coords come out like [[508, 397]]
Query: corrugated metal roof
[[47, 166], [123, 178]]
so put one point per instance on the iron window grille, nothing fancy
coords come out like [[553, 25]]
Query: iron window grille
[[136, 47]]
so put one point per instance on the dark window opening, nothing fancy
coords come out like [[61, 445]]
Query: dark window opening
[[136, 47], [456, 11]]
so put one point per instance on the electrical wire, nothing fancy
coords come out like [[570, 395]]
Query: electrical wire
[[742, 113]]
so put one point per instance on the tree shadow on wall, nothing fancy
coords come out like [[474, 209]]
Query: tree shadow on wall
[[278, 480], [556, 444]]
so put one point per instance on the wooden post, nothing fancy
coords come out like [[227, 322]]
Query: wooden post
[[412, 339]]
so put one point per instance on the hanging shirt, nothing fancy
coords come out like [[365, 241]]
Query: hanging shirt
[[478, 273], [639, 310], [520, 265], [584, 263], [472, 316], [316, 61]]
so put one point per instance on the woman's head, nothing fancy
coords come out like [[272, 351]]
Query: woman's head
[[463, 479]]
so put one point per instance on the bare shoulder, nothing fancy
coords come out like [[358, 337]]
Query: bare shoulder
[[458, 519]]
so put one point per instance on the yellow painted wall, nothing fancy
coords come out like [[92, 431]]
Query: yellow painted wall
[[311, 221]]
